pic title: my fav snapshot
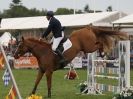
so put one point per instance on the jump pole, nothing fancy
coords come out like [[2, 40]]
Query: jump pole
[[10, 71], [124, 69]]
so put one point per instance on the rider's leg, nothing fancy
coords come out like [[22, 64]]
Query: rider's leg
[[56, 42], [63, 60]]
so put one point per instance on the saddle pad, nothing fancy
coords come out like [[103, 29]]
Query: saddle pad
[[67, 45]]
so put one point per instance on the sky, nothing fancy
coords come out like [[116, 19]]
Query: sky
[[119, 5]]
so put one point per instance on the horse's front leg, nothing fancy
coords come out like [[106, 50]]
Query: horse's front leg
[[49, 78], [100, 48], [39, 77]]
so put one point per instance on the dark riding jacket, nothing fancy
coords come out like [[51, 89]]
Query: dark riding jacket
[[55, 27]]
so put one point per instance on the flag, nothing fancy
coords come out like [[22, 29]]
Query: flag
[[12, 93], [6, 77]]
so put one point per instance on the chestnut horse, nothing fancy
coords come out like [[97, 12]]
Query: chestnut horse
[[88, 40]]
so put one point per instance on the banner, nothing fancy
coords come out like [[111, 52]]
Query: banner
[[26, 62], [77, 62]]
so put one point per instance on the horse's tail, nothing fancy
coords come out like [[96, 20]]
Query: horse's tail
[[107, 37]]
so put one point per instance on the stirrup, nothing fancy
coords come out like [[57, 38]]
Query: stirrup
[[63, 62]]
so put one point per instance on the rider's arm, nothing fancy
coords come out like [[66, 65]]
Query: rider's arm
[[48, 30]]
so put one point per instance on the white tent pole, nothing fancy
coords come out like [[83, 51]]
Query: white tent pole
[[10, 71], [94, 6], [74, 4], [118, 8], [0, 22]]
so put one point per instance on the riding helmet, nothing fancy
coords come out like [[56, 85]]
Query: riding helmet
[[50, 13]]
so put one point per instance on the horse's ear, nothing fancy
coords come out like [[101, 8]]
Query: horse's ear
[[22, 39]]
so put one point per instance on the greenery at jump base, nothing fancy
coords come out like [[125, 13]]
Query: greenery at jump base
[[61, 88]]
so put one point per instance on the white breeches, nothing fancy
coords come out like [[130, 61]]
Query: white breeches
[[56, 41]]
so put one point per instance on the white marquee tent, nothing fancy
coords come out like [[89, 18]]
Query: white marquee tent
[[125, 24], [100, 19], [127, 20]]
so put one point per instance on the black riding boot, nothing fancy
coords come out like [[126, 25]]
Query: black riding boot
[[63, 61]]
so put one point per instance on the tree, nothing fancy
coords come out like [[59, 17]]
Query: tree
[[87, 8], [61, 11], [16, 11], [109, 9], [35, 12], [79, 11], [16, 2]]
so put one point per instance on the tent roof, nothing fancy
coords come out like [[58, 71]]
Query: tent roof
[[127, 20], [66, 20]]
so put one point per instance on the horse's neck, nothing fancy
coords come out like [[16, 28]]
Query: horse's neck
[[38, 50]]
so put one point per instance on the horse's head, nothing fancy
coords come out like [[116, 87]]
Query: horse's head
[[21, 49]]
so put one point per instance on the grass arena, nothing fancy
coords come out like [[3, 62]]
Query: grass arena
[[62, 88], [80, 50]]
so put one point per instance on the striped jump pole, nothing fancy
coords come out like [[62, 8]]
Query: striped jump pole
[[10, 71]]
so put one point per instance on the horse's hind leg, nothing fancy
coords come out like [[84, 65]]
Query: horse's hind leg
[[49, 78], [39, 77]]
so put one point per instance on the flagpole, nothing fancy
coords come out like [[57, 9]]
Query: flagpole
[[0, 20], [92, 2], [10, 71], [74, 7]]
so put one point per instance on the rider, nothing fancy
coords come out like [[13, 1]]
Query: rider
[[56, 28]]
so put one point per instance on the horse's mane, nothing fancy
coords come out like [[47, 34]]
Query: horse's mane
[[41, 42]]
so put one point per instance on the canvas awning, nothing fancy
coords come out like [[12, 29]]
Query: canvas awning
[[127, 20], [100, 19]]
